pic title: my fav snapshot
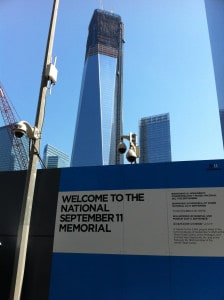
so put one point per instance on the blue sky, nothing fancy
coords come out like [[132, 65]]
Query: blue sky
[[167, 68]]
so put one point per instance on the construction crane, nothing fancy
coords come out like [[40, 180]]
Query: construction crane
[[9, 121]]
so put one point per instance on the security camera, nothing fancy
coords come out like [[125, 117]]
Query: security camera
[[131, 156], [24, 127], [20, 129], [121, 148]]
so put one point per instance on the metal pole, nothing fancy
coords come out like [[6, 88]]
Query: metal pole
[[119, 95], [25, 217]]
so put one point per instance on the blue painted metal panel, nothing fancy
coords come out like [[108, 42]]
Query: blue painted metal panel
[[144, 176], [132, 277]]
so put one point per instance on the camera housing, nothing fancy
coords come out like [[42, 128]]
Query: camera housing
[[20, 129], [133, 152], [23, 127], [131, 156], [121, 148]]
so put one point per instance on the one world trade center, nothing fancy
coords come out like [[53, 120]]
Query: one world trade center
[[99, 118]]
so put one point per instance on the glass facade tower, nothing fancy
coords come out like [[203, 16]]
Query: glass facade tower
[[155, 144], [215, 21], [54, 158], [99, 118], [8, 160]]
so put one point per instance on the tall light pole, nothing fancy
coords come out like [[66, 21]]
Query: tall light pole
[[25, 217]]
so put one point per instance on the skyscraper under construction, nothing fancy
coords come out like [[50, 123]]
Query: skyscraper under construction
[[99, 118]]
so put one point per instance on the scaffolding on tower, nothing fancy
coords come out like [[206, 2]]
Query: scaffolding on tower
[[9, 120]]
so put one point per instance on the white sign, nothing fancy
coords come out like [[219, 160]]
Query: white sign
[[186, 222]]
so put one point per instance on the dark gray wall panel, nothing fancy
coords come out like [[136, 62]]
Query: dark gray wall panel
[[7, 252], [38, 268], [11, 193], [38, 264], [45, 202]]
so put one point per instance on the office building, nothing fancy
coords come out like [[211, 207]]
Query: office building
[[7, 156], [155, 144], [10, 154], [54, 158], [215, 21], [99, 117]]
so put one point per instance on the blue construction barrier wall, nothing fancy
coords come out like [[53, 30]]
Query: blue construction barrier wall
[[150, 231]]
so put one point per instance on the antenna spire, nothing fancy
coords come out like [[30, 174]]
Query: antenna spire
[[101, 4]]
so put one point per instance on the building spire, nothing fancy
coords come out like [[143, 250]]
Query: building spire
[[101, 4]]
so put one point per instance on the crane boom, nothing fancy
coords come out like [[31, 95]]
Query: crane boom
[[9, 119]]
